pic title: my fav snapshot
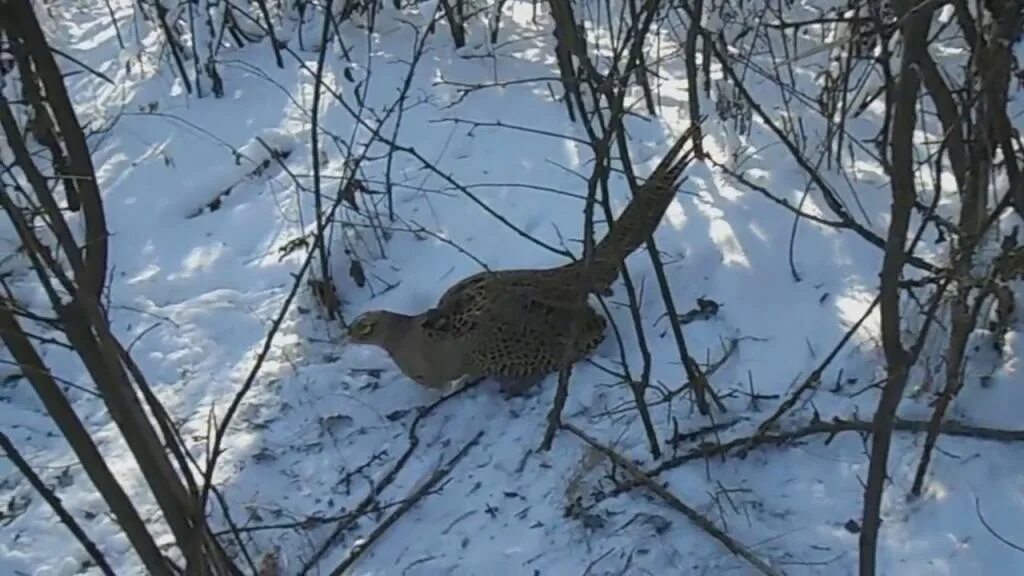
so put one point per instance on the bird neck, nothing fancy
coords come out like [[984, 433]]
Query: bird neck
[[395, 329]]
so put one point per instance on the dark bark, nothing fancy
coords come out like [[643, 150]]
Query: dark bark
[[80, 167], [914, 30], [57, 405]]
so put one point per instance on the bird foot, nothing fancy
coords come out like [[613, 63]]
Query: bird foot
[[517, 386]]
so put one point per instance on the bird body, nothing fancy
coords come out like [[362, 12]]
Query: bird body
[[520, 325]]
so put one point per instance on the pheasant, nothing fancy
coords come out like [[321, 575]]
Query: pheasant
[[514, 325]]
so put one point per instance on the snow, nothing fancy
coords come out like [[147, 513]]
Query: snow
[[195, 291]]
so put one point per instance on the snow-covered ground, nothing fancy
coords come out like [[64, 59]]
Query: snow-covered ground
[[196, 290]]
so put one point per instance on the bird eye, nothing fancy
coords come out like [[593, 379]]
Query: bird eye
[[363, 328]]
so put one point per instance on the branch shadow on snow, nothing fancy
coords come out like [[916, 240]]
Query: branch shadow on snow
[[336, 412], [323, 422]]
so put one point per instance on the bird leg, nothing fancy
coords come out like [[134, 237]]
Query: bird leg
[[458, 384], [513, 386]]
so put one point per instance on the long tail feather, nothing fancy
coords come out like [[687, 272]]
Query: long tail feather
[[643, 214]]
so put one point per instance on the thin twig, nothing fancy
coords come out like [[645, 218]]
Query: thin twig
[[977, 508], [697, 518], [54, 501], [417, 495], [832, 428], [250, 379], [814, 378], [386, 481]]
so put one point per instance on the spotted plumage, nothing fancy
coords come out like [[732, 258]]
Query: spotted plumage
[[519, 325]]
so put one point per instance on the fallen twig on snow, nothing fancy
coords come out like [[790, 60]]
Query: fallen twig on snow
[[834, 427], [359, 549], [996, 535], [55, 504], [817, 426], [387, 480], [814, 378], [642, 478]]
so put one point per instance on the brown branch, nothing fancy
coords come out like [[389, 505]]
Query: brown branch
[[250, 379], [54, 501], [814, 378], [368, 501], [693, 96], [996, 535], [674, 502], [832, 428], [328, 291], [915, 26], [79, 170], [598, 176], [74, 431], [407, 504], [505, 125], [838, 224], [269, 29], [696, 379], [35, 178]]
